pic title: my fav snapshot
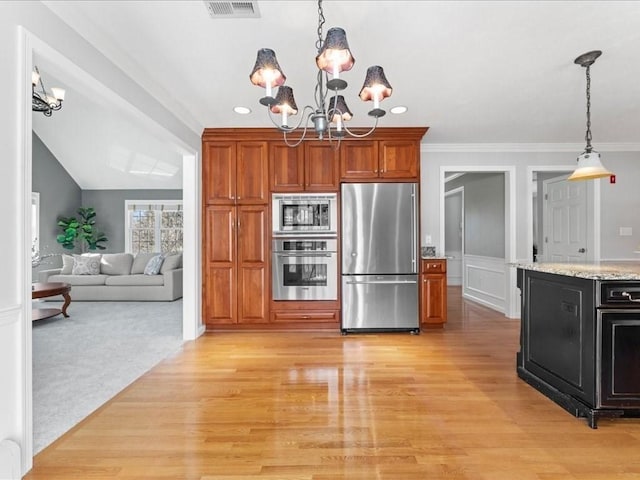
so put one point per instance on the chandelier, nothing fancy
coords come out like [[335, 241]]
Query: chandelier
[[330, 111], [41, 101], [589, 165]]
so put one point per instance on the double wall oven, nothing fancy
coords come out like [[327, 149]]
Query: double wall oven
[[305, 246]]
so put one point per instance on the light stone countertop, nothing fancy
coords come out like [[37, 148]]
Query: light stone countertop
[[590, 270], [436, 257]]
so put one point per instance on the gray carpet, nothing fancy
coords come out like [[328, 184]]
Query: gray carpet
[[82, 361]]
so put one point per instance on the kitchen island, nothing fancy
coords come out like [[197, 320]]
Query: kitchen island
[[580, 336]]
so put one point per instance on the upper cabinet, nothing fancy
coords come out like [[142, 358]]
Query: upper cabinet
[[235, 173], [375, 160], [311, 166]]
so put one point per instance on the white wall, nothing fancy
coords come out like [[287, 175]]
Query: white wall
[[618, 201], [47, 35]]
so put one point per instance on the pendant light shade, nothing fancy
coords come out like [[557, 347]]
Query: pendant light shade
[[589, 164], [589, 167]]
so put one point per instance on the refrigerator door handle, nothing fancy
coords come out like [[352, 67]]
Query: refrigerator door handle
[[414, 228], [381, 282]]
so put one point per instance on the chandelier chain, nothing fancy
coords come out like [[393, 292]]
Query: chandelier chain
[[321, 21], [587, 136]]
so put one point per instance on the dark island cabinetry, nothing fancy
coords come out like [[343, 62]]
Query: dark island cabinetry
[[580, 343]]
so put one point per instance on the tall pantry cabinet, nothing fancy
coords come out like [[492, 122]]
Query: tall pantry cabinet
[[235, 232]]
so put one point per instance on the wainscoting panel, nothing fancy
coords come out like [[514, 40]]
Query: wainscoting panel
[[485, 279], [9, 460]]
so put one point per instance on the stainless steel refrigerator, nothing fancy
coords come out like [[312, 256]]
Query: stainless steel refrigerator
[[379, 257]]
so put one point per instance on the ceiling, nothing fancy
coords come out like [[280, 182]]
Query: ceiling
[[472, 71]]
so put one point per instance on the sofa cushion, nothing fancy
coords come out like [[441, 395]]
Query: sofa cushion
[[116, 263], [87, 264], [67, 264], [79, 280], [171, 262], [135, 280], [154, 264], [140, 262]]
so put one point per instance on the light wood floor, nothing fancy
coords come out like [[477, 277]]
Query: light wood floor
[[318, 406]]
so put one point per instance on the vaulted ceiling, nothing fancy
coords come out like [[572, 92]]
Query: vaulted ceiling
[[473, 71]]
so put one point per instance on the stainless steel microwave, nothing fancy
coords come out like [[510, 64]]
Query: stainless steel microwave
[[309, 214]]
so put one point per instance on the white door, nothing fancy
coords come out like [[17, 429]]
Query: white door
[[566, 226]]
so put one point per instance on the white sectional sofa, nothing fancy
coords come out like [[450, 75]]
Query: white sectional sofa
[[121, 277]]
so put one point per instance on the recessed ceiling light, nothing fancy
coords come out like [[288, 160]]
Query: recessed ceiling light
[[242, 110], [399, 109]]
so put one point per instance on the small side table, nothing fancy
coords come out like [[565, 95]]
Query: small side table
[[51, 289]]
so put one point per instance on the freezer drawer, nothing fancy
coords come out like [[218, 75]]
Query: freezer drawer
[[380, 302]]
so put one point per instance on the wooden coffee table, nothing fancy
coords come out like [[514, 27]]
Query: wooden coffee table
[[41, 290]]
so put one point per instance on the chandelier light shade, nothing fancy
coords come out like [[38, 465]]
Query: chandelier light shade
[[330, 111], [376, 87], [589, 164], [338, 113], [335, 57], [267, 74], [41, 101], [285, 104]]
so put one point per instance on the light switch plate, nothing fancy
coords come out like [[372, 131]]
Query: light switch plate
[[626, 231]]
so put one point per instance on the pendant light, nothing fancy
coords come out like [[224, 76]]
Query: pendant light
[[589, 165]]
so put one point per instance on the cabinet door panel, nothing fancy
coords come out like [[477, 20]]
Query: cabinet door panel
[[399, 159], [219, 172], [321, 166], [253, 290], [219, 235], [434, 295], [220, 294], [286, 168], [252, 174], [252, 226], [359, 160]]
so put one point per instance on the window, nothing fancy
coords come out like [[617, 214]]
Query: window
[[153, 226]]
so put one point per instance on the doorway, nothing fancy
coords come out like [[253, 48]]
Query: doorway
[[497, 279], [454, 234], [191, 326], [567, 221]]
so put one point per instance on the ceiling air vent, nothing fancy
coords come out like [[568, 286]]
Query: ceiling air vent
[[232, 9]]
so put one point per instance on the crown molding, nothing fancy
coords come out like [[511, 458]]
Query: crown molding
[[526, 147]]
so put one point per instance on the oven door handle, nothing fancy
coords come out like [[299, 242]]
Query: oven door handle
[[629, 297], [381, 282], [298, 255]]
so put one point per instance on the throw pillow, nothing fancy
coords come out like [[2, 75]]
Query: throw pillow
[[140, 262], [116, 263], [171, 262], [153, 267], [67, 264], [86, 265]]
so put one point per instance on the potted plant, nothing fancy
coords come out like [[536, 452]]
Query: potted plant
[[83, 229]]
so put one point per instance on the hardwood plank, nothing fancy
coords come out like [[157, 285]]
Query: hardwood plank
[[316, 405]]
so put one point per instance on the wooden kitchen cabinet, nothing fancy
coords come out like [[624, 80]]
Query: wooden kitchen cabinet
[[235, 173], [241, 167], [376, 160], [237, 264], [310, 167], [433, 292]]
